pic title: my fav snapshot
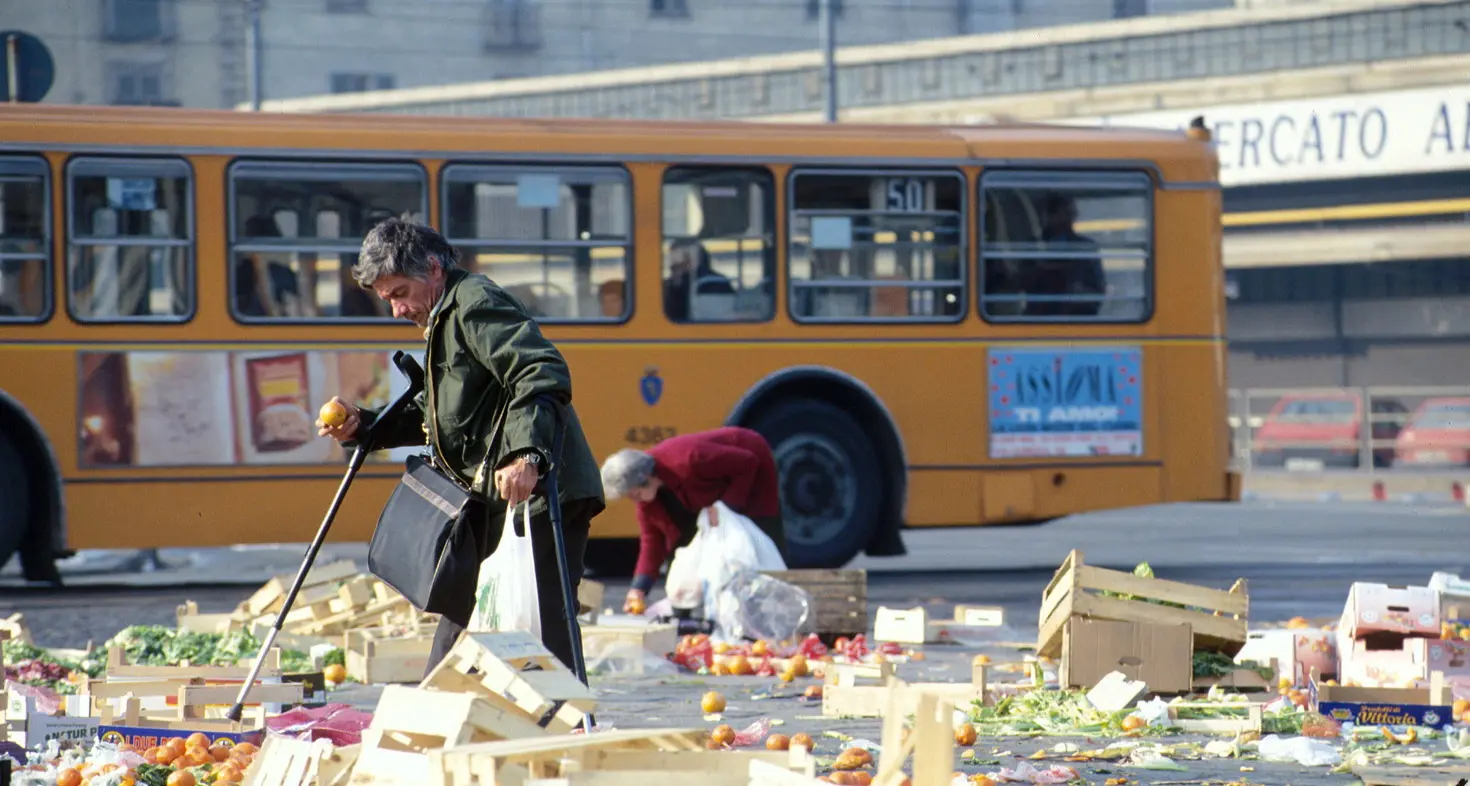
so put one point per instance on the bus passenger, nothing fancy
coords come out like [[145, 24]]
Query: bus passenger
[[690, 272], [1069, 275], [680, 476]]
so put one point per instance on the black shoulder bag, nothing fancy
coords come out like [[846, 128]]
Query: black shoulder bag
[[425, 544]]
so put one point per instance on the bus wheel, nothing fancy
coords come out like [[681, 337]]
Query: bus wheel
[[15, 508], [831, 486]]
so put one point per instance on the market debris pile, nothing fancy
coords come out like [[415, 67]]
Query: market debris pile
[[1128, 673]]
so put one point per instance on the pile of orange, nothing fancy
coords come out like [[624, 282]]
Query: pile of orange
[[226, 763], [1462, 710]]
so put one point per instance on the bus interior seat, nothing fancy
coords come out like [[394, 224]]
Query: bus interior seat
[[889, 301], [841, 303]]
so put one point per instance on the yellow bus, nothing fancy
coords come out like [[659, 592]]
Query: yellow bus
[[932, 326]]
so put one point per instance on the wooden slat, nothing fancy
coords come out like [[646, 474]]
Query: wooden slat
[[1102, 579]]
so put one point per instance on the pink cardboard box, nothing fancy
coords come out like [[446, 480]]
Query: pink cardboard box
[[1375, 608], [1407, 666]]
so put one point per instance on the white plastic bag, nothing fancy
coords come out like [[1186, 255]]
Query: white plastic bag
[[506, 598], [683, 586], [734, 545]]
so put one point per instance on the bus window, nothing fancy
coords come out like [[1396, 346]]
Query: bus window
[[1065, 246], [296, 229], [719, 245], [25, 242], [557, 238], [883, 245], [131, 239]]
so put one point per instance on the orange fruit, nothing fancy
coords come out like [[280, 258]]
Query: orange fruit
[[798, 665], [229, 773], [982, 780], [788, 675], [723, 734], [333, 413], [980, 660], [778, 742], [813, 692], [1298, 622], [198, 738], [69, 777], [965, 735], [1133, 723], [166, 755], [335, 674], [1461, 707], [181, 778], [220, 752], [714, 701], [760, 647], [247, 748], [739, 666], [803, 740]]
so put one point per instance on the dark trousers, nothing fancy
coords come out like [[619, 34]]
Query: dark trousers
[[576, 526]]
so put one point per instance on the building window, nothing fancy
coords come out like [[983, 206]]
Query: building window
[[135, 21], [719, 245], [131, 239], [814, 8], [677, 8], [25, 240], [1124, 9], [347, 6], [1065, 246], [557, 238], [512, 26], [359, 83], [882, 245], [295, 232], [137, 84]]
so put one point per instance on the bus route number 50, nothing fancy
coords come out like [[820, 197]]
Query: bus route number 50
[[906, 195]]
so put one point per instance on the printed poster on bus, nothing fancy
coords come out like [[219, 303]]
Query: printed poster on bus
[[216, 408], [1065, 402]]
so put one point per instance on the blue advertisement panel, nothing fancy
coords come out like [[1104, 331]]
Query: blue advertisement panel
[[1065, 402]]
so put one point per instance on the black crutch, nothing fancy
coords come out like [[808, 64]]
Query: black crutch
[[410, 369], [570, 605]]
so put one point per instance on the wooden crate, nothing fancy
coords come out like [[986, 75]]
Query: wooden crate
[[284, 761], [1219, 618], [374, 657], [514, 670], [844, 694], [552, 756], [839, 599], [117, 666], [1250, 723]]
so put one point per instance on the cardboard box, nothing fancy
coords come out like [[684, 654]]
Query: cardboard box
[[30, 728], [145, 737], [1381, 608], [1430, 707], [1162, 656], [1407, 666], [1298, 652]]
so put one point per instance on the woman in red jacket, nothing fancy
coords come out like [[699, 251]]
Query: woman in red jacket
[[677, 478]]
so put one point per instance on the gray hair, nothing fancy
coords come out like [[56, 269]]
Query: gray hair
[[625, 470], [397, 247]]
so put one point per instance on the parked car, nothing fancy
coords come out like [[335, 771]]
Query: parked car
[[1314, 430], [1438, 435]]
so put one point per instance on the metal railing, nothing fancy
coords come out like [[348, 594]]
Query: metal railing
[[1370, 428]]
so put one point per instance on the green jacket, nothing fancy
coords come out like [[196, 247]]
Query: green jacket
[[486, 353]]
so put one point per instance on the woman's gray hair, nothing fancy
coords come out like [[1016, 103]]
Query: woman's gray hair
[[624, 471], [396, 247]]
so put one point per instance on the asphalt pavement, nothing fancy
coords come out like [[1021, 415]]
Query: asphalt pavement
[[1298, 558]]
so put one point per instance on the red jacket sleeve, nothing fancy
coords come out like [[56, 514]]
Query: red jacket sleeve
[[715, 462], [652, 541]]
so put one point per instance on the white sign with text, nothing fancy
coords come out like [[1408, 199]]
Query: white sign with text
[[1327, 138]]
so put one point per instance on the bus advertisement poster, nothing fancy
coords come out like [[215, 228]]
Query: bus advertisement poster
[[220, 408], [1065, 401]]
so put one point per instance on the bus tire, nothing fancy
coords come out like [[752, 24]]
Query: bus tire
[[15, 507], [830, 478]]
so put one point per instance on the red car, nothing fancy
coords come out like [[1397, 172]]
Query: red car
[[1324, 429], [1438, 435]]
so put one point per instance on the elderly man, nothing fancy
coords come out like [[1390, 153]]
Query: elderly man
[[677, 478], [485, 356]]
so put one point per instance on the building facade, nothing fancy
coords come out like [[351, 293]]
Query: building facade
[[200, 53]]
